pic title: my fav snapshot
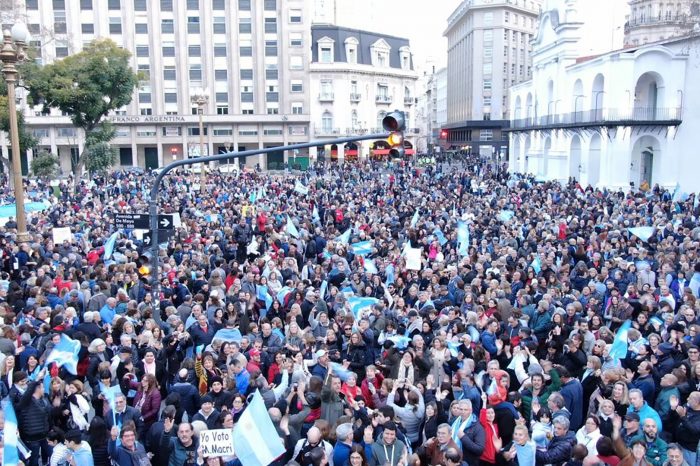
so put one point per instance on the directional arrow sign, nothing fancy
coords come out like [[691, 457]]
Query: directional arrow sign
[[163, 237], [165, 222], [147, 238], [131, 221]]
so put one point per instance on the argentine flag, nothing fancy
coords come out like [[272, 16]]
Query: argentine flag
[[371, 267], [414, 220], [359, 305], [228, 334], [345, 237], [440, 236], [536, 265], [281, 294], [618, 350], [316, 217], [340, 371], [322, 291], [390, 274], [10, 453], [255, 441], [505, 215], [463, 238], [291, 228], [643, 233], [363, 248], [109, 245], [453, 347], [401, 342], [65, 354], [264, 296]]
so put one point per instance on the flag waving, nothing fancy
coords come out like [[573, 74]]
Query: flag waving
[[65, 354], [255, 441], [10, 454]]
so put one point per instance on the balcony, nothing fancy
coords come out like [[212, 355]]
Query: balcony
[[383, 99], [355, 97], [678, 20], [326, 97], [323, 131], [408, 100], [608, 117]]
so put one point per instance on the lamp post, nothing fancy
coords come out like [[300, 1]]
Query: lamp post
[[12, 53], [201, 98]]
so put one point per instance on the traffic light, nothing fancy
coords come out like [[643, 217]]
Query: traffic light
[[396, 123], [443, 134]]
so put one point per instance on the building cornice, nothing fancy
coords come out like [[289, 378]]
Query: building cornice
[[362, 70]]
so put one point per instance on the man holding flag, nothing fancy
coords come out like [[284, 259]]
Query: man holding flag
[[34, 412]]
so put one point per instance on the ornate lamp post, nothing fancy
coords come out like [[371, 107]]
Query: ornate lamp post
[[13, 52], [200, 98]]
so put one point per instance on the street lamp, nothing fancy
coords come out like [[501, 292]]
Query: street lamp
[[12, 53], [200, 98]]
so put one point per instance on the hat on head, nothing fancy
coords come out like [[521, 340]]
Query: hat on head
[[207, 399], [665, 348], [534, 369], [216, 378], [254, 352], [632, 417], [320, 353]]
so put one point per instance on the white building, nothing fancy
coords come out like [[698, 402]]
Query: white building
[[356, 78], [612, 119], [652, 21], [432, 109], [251, 55], [488, 51]]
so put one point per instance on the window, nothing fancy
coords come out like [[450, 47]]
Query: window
[[381, 59], [487, 69], [167, 26], [488, 36], [354, 123], [139, 5], [488, 18], [193, 24], [194, 51], [114, 4], [193, 5], [270, 5], [170, 97], [115, 25], [247, 131], [141, 28], [142, 50], [194, 130], [219, 25], [271, 25], [487, 100], [59, 4], [41, 133], [223, 131], [326, 55], [297, 108], [506, 16], [272, 96], [295, 16], [32, 4], [61, 52], [144, 70], [218, 5], [246, 51], [59, 22], [486, 135], [219, 50], [297, 86], [246, 75], [166, 5], [222, 110], [296, 39], [270, 48], [272, 74], [296, 62], [34, 29], [169, 73], [327, 122], [86, 4], [246, 111], [488, 53], [144, 97], [195, 72], [246, 97], [244, 26], [87, 28], [221, 75], [222, 97], [244, 5], [487, 85], [168, 51]]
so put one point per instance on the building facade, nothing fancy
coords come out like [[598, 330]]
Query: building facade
[[432, 109], [250, 57], [356, 78], [653, 21], [617, 119], [488, 51]]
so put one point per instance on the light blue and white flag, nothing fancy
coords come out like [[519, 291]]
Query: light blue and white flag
[[10, 452], [254, 436], [440, 236], [414, 220], [264, 295], [323, 289], [643, 233], [362, 248], [253, 197], [400, 342], [348, 291], [696, 200], [656, 321], [359, 306], [370, 266], [282, 294], [316, 217], [301, 189], [228, 334], [291, 228], [536, 265], [109, 245], [340, 371], [65, 354], [678, 195], [618, 350], [463, 238], [110, 394], [345, 237], [390, 274], [453, 347], [505, 215]]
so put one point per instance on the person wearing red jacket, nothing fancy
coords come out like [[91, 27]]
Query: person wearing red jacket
[[374, 377], [493, 443]]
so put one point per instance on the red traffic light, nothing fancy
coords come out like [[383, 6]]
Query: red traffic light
[[443, 134]]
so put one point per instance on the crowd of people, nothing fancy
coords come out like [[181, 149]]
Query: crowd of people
[[537, 327]]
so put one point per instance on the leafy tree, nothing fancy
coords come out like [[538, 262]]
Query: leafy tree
[[100, 156], [87, 86], [45, 164]]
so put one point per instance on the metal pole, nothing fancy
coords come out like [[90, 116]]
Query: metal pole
[[203, 173], [155, 190], [10, 55]]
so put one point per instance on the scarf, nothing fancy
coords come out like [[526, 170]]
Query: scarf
[[405, 371], [459, 426]]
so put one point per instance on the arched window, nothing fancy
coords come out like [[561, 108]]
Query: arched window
[[353, 119], [380, 118], [327, 121]]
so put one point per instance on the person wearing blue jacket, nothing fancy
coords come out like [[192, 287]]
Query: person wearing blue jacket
[[129, 451], [572, 391], [639, 406], [488, 337]]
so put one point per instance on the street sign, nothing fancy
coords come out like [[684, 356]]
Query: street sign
[[166, 222], [131, 221], [163, 237]]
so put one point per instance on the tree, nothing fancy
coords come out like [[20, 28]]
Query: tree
[[87, 86], [45, 164], [100, 156]]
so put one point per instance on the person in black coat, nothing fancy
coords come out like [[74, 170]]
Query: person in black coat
[[154, 435], [125, 414], [33, 416], [189, 395]]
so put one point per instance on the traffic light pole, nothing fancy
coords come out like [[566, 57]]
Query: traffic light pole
[[155, 190]]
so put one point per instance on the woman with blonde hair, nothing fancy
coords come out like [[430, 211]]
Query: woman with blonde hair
[[439, 354]]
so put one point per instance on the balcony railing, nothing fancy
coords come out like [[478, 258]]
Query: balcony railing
[[605, 116], [655, 20], [383, 99], [326, 97], [325, 131], [408, 100], [355, 97]]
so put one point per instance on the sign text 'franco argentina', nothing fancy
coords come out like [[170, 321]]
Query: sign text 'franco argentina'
[[148, 119]]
